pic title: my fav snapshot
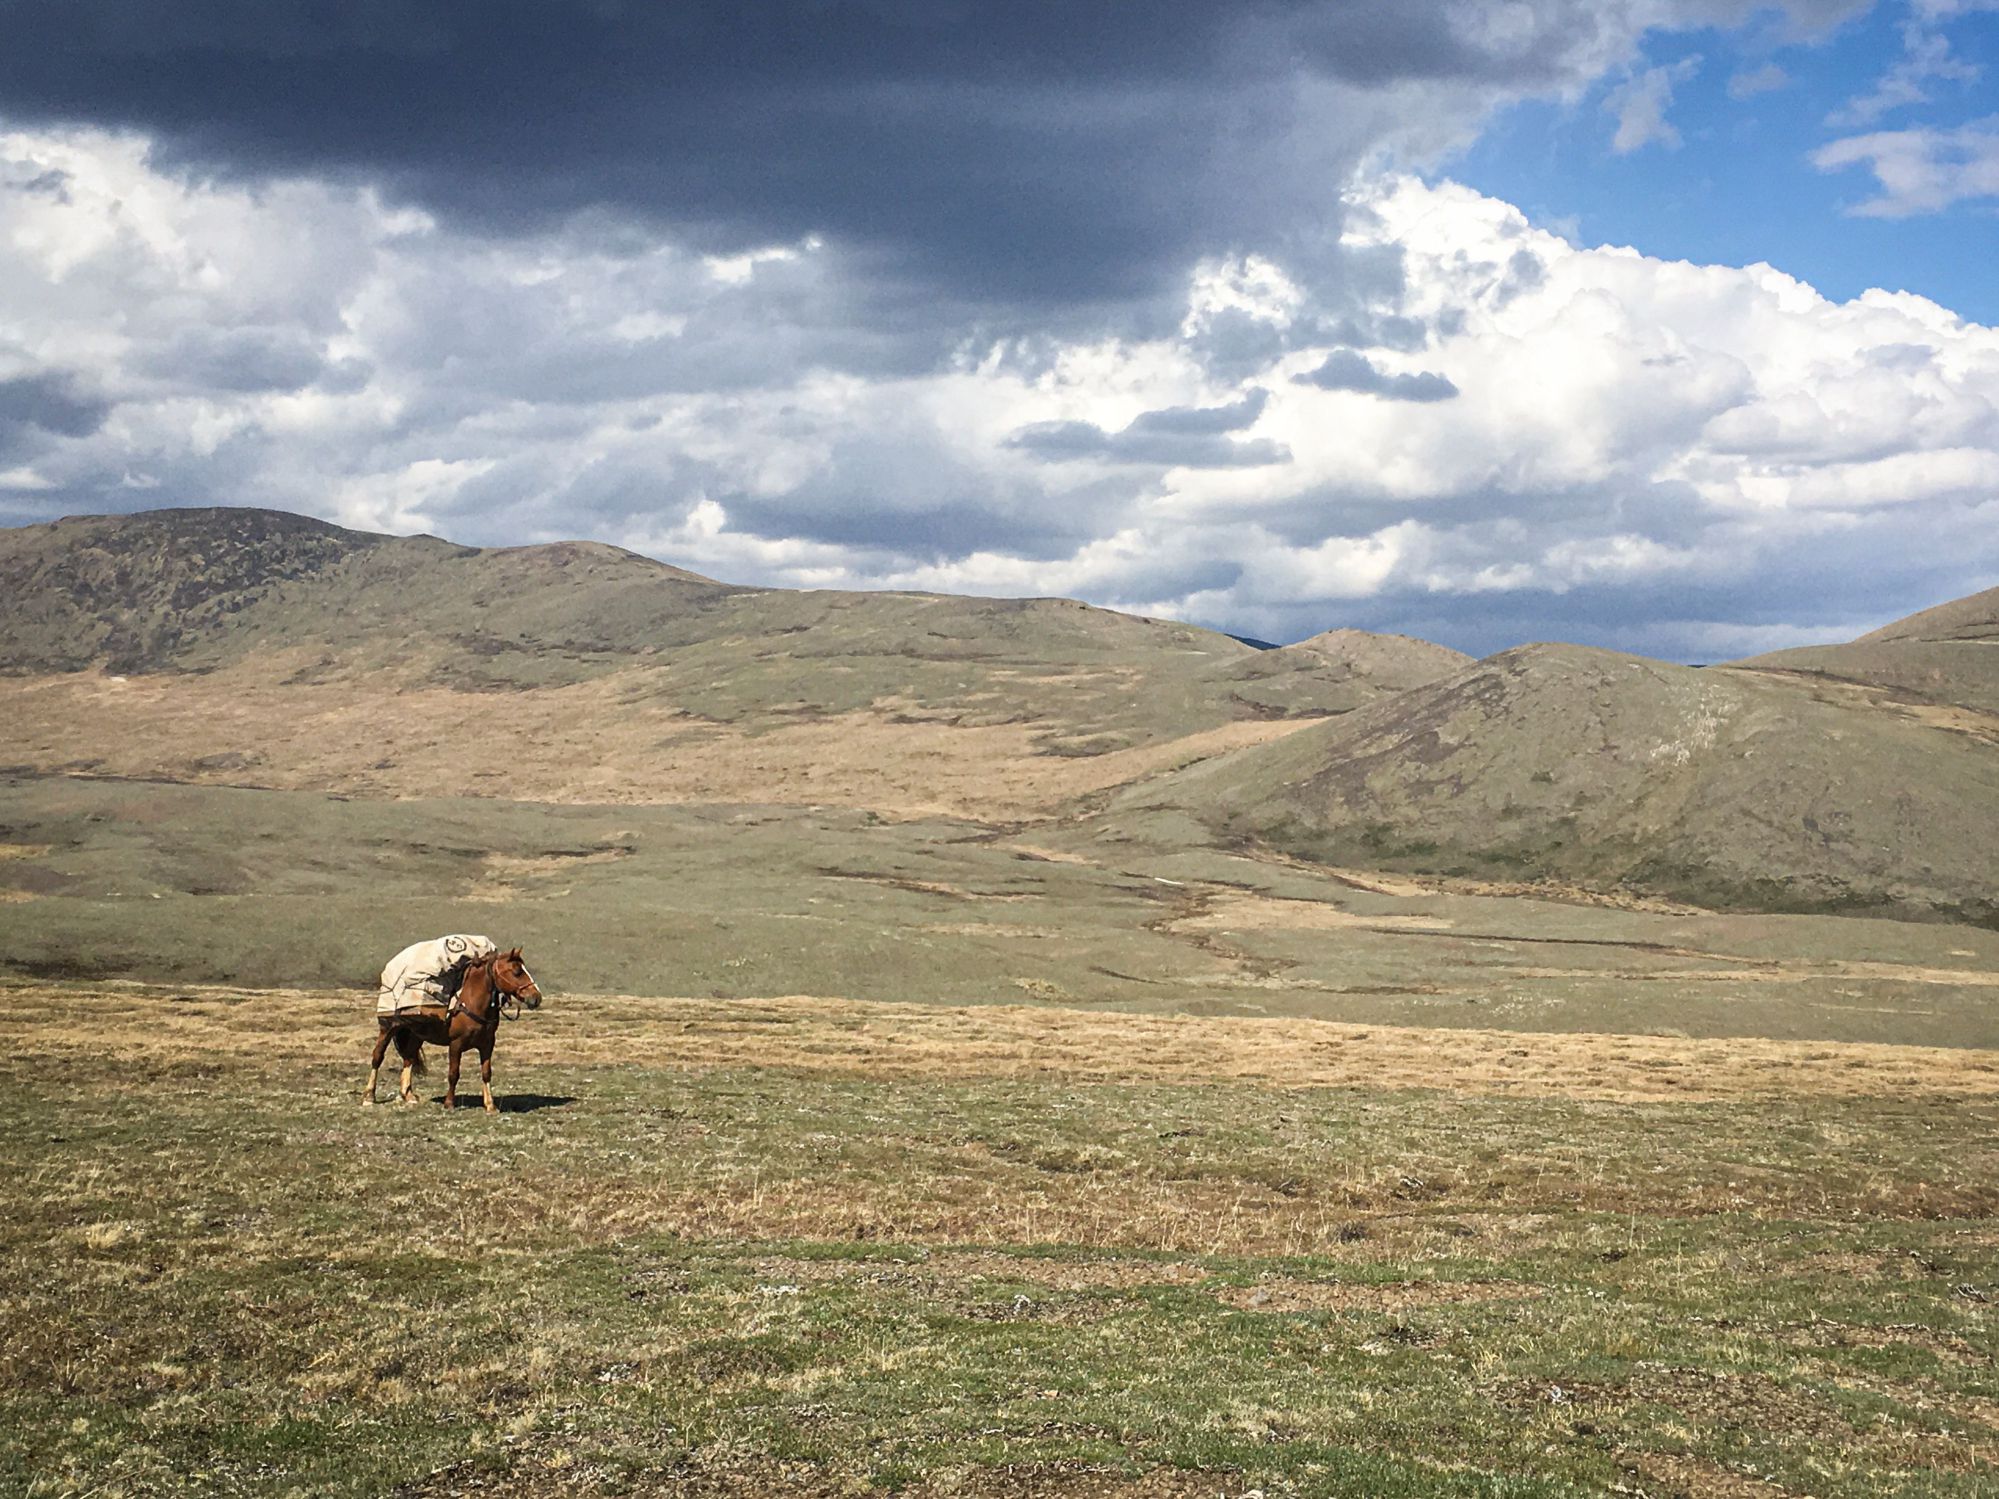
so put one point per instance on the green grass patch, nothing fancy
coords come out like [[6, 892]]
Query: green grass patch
[[222, 1276]]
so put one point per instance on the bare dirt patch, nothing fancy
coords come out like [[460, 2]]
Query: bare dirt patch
[[1950, 717], [1787, 971], [923, 887]]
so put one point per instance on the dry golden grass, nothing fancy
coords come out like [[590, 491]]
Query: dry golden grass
[[610, 740], [909, 1041]]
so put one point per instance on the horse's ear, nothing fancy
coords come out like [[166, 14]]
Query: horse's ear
[[515, 955]]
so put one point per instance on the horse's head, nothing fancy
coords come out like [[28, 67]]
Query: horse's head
[[511, 978]]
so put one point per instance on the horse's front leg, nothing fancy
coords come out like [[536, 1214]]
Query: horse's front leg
[[486, 1074], [375, 1065], [457, 1050]]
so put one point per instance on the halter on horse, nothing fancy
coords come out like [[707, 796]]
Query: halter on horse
[[525, 991]]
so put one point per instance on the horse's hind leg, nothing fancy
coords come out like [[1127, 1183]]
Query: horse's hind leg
[[375, 1064], [410, 1047]]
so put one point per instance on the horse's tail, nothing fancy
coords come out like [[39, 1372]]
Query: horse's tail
[[410, 1048]]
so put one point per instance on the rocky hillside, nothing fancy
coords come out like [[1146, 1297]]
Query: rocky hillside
[[195, 589], [1723, 787]]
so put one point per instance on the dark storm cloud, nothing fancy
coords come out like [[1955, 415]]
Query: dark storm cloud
[[239, 359], [959, 207], [1027, 153], [1497, 520], [1233, 345], [1404, 334], [1676, 620], [50, 404], [875, 500], [1160, 447], [1171, 437], [1346, 370], [898, 538], [1196, 421]]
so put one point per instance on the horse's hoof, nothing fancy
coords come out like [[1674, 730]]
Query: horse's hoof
[[367, 1103], [492, 1108]]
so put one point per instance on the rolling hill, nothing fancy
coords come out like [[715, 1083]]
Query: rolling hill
[[1949, 654], [1730, 788], [245, 648], [1342, 669], [257, 648]]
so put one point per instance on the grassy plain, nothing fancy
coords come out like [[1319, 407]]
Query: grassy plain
[[194, 884], [826, 1247], [951, 1085]]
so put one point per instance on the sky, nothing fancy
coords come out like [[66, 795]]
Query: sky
[[1660, 325]]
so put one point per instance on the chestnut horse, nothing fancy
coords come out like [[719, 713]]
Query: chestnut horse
[[473, 1020]]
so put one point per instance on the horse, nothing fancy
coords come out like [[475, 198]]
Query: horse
[[489, 986]]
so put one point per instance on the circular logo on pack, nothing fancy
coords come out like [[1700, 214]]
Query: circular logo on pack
[[456, 945]]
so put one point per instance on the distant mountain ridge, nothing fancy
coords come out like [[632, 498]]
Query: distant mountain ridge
[[168, 589], [610, 657]]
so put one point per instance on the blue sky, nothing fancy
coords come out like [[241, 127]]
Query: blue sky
[[1739, 185]]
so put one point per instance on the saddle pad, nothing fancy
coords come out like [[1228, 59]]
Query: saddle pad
[[427, 973]]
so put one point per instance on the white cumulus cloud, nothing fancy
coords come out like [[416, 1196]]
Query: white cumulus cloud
[[1446, 420]]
